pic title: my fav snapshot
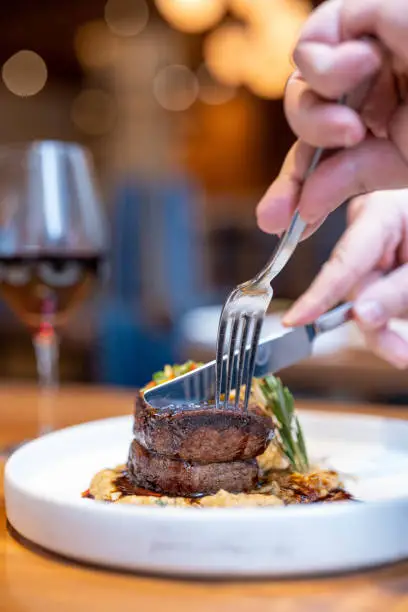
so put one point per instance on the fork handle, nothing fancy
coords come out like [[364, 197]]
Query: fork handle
[[284, 249], [290, 239], [333, 319]]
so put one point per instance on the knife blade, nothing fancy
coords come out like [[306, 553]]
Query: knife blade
[[274, 354]]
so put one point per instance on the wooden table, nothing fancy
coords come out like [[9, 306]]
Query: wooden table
[[36, 581]]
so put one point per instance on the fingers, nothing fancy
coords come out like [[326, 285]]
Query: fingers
[[374, 165], [383, 300], [377, 228], [386, 20], [278, 204], [318, 122], [339, 20], [379, 107], [332, 71], [383, 340], [362, 284], [389, 345], [321, 123], [332, 65], [323, 25]]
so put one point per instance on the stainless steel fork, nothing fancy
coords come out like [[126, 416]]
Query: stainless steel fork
[[244, 311]]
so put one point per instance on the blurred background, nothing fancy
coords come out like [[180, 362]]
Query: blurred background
[[180, 103]]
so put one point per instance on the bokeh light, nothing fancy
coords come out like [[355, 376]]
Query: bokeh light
[[176, 88], [224, 51], [92, 44], [248, 9], [267, 62], [94, 112], [258, 54], [192, 15], [126, 17], [267, 73], [263, 11], [211, 91], [25, 73]]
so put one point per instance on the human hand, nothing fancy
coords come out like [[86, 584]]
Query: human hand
[[332, 60], [369, 265]]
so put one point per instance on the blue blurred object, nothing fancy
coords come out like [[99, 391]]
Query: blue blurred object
[[127, 352], [157, 275]]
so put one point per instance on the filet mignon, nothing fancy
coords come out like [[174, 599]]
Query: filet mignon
[[201, 433], [183, 478]]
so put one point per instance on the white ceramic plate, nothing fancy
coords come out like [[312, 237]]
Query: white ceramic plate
[[44, 480]]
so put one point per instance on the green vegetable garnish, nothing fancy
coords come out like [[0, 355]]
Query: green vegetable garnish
[[159, 377], [169, 372], [280, 403]]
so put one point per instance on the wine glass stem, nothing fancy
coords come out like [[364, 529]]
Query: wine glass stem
[[46, 348]]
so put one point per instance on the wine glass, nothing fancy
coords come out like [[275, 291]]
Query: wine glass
[[53, 244]]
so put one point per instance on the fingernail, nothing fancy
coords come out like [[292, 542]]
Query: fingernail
[[322, 64], [315, 55], [295, 314], [370, 312], [288, 320]]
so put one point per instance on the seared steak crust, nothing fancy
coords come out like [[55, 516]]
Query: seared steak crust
[[202, 433]]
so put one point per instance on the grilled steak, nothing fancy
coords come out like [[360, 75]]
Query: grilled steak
[[202, 433], [181, 478]]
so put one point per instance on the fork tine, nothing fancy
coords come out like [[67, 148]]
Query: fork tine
[[197, 387], [187, 389], [235, 321], [252, 356], [206, 384], [220, 358], [241, 357], [211, 387]]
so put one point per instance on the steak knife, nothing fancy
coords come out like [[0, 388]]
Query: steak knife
[[273, 354]]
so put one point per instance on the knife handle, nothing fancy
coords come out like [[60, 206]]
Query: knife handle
[[333, 319]]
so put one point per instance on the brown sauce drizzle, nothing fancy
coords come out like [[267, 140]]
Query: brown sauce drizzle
[[125, 486], [337, 494]]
